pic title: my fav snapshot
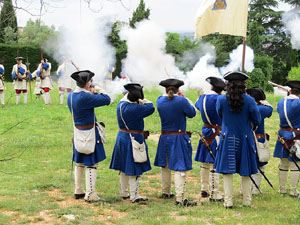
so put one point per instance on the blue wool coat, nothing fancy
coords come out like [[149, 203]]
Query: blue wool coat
[[265, 112], [177, 148], [202, 154], [122, 157], [293, 109], [237, 151], [83, 109]]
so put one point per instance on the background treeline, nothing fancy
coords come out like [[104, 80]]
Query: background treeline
[[275, 59]]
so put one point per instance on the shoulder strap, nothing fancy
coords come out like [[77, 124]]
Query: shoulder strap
[[286, 116], [122, 117], [204, 108]]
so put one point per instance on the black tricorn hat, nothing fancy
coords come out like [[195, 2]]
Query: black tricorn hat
[[237, 75], [135, 91], [293, 84], [257, 93], [216, 82], [83, 76], [19, 58], [171, 82]]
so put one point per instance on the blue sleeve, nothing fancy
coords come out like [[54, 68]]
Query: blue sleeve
[[219, 106], [46, 66], [265, 111], [1, 70], [145, 110], [254, 112], [30, 76], [60, 73], [96, 100], [188, 109], [13, 76], [21, 70], [198, 103], [38, 73]]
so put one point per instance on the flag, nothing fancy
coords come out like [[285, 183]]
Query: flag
[[223, 16]]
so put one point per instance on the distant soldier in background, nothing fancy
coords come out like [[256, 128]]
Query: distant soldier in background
[[211, 129], [288, 139], [19, 79], [174, 150], [2, 85], [38, 91], [46, 81], [64, 79], [131, 111], [265, 110], [82, 103]]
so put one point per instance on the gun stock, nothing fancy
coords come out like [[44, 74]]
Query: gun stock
[[278, 86]]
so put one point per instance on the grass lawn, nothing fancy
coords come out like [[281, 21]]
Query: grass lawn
[[36, 188]]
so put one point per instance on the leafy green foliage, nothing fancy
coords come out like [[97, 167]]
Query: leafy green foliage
[[8, 20], [139, 14], [36, 33], [292, 2], [294, 74]]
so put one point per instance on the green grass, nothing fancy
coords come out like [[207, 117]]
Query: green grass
[[36, 188]]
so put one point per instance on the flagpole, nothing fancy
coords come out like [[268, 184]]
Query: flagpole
[[244, 54]]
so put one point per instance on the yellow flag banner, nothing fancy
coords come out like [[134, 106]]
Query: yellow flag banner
[[223, 16]]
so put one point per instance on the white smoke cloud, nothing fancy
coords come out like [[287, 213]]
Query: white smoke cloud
[[291, 21], [147, 62], [235, 63], [86, 45]]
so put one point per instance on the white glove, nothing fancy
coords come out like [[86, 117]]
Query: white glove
[[144, 101]]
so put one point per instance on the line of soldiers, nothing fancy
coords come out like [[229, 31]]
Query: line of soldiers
[[22, 76], [232, 140]]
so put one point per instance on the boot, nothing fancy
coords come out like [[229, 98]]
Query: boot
[[2, 98], [257, 179], [166, 177], [78, 175], [134, 190], [90, 182], [204, 178], [294, 179], [246, 190], [180, 183], [17, 99], [25, 97], [61, 97], [124, 180], [214, 186], [228, 190], [283, 174]]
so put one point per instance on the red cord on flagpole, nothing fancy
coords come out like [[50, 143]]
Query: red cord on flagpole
[[244, 54]]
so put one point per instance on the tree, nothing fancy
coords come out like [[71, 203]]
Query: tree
[[8, 19], [36, 33], [292, 2], [294, 74], [139, 14]]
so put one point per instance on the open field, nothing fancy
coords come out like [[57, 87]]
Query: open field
[[36, 188]]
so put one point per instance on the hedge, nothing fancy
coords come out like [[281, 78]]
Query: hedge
[[8, 53]]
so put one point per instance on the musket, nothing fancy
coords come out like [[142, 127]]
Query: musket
[[255, 184], [28, 76], [206, 144], [286, 147], [278, 86], [76, 67], [264, 175]]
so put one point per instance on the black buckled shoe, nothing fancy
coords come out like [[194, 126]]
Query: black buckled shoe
[[228, 207], [79, 196], [167, 196], [186, 203], [125, 198], [204, 194], [140, 199]]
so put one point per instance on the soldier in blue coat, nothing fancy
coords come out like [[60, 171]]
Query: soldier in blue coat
[[211, 129], [266, 111], [131, 111], [174, 150], [236, 151], [288, 110], [82, 102]]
